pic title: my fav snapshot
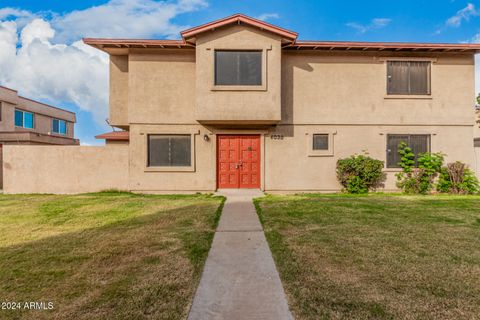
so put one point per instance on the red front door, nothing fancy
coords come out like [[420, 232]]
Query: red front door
[[238, 161]]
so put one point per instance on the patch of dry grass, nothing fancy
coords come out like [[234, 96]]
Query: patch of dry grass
[[376, 256], [105, 255]]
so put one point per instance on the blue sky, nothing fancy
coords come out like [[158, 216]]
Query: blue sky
[[41, 56]]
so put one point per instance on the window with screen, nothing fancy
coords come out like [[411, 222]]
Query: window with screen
[[320, 142], [23, 119], [408, 77], [59, 126], [238, 68], [169, 150], [420, 143]]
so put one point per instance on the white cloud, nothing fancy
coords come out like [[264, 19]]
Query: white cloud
[[44, 58], [125, 18], [376, 23], [13, 12], [268, 16], [462, 15], [53, 72]]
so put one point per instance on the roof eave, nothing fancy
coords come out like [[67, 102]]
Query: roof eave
[[288, 35]]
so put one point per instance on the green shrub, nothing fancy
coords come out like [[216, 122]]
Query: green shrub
[[418, 180], [457, 178], [360, 173]]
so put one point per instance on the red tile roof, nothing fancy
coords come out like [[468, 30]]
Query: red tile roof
[[114, 135]]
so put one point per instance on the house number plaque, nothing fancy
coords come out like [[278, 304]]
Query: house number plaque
[[276, 136]]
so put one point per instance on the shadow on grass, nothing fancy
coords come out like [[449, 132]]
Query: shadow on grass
[[139, 268]]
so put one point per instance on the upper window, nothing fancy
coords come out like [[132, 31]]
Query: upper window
[[59, 126], [23, 119], [408, 77], [169, 150], [320, 142], [238, 68], [419, 143]]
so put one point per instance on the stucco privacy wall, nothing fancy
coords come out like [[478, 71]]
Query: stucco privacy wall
[[64, 169]]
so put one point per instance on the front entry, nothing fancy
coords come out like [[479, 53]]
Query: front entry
[[238, 161]]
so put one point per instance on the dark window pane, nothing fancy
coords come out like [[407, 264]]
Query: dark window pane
[[393, 157], [408, 77], [180, 151], [241, 68], [320, 142], [169, 150], [397, 77], [55, 126], [18, 118], [418, 143], [419, 77]]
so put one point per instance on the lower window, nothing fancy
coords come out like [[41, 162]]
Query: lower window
[[419, 143], [169, 150]]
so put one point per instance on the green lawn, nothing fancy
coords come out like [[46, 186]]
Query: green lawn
[[104, 255], [376, 256]]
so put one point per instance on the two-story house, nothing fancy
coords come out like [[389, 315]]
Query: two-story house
[[28, 122], [240, 103]]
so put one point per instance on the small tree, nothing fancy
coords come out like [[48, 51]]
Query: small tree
[[360, 173], [457, 178], [418, 180]]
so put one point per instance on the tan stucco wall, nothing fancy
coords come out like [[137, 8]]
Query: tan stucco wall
[[161, 87], [289, 167], [341, 93], [477, 160], [64, 169], [118, 103], [233, 105], [201, 177], [351, 89]]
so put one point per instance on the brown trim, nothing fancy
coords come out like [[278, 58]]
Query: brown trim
[[115, 135], [476, 142], [105, 43], [373, 46]]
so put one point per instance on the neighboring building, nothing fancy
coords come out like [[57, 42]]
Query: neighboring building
[[240, 103], [28, 122]]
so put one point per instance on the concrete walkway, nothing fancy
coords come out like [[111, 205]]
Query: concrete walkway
[[240, 280]]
